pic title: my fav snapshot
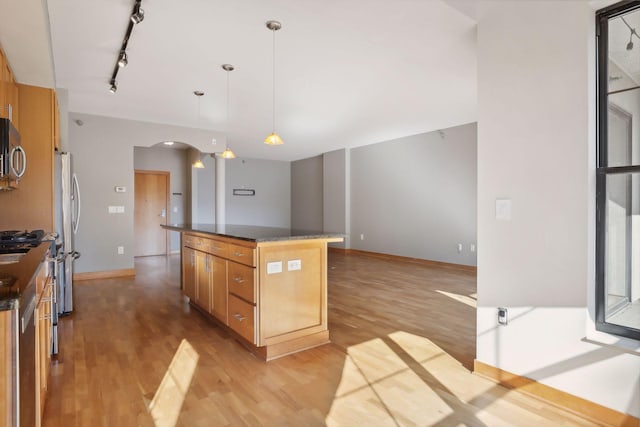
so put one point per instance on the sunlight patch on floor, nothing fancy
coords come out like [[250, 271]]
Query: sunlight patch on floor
[[167, 402], [378, 388], [460, 298]]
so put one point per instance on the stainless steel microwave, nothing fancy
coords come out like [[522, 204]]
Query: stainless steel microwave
[[13, 159]]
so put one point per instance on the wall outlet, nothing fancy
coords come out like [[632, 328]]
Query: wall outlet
[[120, 250], [362, 237], [472, 247], [503, 318], [175, 209], [459, 247], [294, 264]]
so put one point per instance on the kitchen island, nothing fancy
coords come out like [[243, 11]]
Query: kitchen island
[[266, 285]]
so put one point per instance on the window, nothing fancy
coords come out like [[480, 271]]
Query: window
[[618, 171]]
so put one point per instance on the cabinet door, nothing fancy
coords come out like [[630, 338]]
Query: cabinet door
[[3, 86], [189, 273], [219, 288], [203, 287]]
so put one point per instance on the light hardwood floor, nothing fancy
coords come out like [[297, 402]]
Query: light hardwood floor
[[403, 342]]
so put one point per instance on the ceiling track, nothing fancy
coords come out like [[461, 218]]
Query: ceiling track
[[125, 42]]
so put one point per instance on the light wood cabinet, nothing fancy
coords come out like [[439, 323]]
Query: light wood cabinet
[[189, 272], [219, 293], [203, 282], [30, 206], [272, 295], [9, 99], [44, 294]]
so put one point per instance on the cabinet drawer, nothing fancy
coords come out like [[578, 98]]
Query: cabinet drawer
[[216, 247], [242, 281], [191, 241], [242, 318], [242, 254]]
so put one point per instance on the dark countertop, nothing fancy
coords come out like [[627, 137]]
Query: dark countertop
[[254, 233], [23, 272]]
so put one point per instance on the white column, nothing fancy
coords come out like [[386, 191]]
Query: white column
[[220, 191]]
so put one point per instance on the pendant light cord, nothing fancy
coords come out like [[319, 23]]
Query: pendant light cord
[[273, 123]]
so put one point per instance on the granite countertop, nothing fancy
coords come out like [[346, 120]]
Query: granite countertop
[[254, 233], [20, 274]]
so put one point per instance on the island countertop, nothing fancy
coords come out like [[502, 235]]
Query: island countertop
[[254, 233]]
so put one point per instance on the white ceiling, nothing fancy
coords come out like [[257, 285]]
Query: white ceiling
[[349, 73]]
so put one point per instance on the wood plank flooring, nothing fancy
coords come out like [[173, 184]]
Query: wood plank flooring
[[403, 342]]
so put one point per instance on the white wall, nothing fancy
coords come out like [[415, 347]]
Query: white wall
[[175, 162], [306, 194], [536, 145], [271, 179], [416, 196]]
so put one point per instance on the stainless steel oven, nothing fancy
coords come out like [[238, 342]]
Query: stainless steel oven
[[13, 159]]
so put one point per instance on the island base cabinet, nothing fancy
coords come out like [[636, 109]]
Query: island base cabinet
[[218, 278], [242, 318], [189, 273], [272, 295]]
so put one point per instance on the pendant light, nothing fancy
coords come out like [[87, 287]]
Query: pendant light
[[274, 138], [227, 153], [198, 163]]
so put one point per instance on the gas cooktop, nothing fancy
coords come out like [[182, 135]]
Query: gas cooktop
[[16, 241]]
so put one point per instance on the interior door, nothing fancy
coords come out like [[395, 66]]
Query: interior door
[[150, 211]]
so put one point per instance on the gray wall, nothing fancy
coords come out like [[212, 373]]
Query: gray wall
[[175, 162], [416, 196], [204, 194], [306, 194], [271, 206], [336, 189], [103, 158]]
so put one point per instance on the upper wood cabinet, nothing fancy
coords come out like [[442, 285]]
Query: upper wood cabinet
[[31, 205], [9, 99]]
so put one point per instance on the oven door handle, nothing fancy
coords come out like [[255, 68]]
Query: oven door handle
[[21, 163]]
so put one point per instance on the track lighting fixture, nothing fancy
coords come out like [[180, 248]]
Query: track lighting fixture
[[136, 17], [123, 61], [138, 13], [632, 33]]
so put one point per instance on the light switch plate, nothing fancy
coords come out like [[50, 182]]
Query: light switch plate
[[274, 267], [503, 209]]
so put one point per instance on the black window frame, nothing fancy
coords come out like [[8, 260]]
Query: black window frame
[[602, 170]]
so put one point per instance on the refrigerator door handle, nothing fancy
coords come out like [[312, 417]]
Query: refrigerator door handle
[[76, 196]]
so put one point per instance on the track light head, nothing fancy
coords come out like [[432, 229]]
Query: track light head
[[123, 60], [113, 88], [138, 14]]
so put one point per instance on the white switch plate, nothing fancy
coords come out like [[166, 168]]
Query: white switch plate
[[274, 267], [119, 209], [472, 247], [120, 250], [294, 264], [112, 209], [503, 209]]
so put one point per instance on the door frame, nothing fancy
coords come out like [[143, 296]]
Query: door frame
[[167, 176]]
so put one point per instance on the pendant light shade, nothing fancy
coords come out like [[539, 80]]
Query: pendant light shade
[[274, 138], [228, 154], [198, 164]]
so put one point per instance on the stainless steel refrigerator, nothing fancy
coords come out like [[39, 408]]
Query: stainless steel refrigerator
[[67, 222]]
